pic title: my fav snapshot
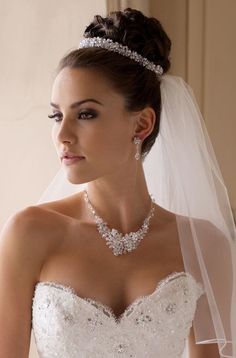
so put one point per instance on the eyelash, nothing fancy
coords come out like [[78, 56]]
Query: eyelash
[[57, 115]]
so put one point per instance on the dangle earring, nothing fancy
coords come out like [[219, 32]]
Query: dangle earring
[[137, 141]]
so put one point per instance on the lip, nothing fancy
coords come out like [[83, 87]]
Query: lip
[[68, 154], [71, 160]]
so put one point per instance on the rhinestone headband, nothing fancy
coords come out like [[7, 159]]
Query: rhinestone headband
[[110, 45]]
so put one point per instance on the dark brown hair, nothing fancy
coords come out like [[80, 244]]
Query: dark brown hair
[[139, 86]]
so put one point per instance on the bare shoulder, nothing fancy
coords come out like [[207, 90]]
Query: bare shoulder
[[23, 236], [70, 207], [18, 227], [35, 231], [54, 221], [21, 257]]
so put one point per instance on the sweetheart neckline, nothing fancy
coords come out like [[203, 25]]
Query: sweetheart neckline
[[161, 283]]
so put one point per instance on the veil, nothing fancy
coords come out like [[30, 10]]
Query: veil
[[183, 175]]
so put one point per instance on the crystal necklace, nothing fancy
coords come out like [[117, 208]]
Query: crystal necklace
[[114, 239]]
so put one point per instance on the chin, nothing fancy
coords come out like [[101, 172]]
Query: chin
[[78, 179]]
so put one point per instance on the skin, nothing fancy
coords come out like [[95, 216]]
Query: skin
[[106, 143], [59, 241]]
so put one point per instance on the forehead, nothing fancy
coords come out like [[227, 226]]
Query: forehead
[[75, 84], [80, 80]]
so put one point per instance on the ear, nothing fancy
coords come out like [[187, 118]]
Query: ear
[[145, 123]]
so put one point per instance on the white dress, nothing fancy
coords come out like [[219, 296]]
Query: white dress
[[156, 325]]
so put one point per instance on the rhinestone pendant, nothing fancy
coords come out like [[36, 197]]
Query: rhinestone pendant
[[120, 244]]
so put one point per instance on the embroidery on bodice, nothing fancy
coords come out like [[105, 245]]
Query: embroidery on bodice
[[66, 325]]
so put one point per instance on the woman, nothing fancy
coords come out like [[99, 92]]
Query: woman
[[127, 295]]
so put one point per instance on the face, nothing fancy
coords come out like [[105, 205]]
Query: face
[[98, 129]]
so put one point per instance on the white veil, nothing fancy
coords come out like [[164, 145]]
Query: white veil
[[183, 175]]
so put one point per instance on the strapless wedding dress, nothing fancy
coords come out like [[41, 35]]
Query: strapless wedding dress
[[153, 326]]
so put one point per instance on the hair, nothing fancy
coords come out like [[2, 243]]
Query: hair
[[139, 86]]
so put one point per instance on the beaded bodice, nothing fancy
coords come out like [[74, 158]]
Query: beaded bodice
[[157, 325]]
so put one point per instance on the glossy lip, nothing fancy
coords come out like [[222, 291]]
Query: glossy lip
[[69, 154], [69, 161]]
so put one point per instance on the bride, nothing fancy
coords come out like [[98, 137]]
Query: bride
[[106, 271]]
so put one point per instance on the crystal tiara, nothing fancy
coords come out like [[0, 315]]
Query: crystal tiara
[[110, 45]]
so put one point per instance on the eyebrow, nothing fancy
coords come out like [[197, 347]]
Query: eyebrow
[[78, 103]]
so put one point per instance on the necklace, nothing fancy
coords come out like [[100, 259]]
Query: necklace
[[120, 244]]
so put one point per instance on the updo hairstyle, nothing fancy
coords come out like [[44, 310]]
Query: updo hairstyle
[[139, 86]]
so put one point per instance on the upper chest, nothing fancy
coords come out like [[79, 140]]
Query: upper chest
[[82, 260]]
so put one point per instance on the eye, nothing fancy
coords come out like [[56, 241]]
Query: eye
[[92, 114], [55, 115]]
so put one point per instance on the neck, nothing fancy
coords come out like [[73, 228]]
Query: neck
[[123, 201]]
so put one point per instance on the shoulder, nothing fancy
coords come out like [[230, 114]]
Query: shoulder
[[68, 206], [208, 233], [18, 247], [19, 226], [28, 236], [21, 257]]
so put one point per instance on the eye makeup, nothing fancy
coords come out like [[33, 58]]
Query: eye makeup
[[90, 113]]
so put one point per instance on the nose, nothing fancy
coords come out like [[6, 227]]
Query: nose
[[65, 132]]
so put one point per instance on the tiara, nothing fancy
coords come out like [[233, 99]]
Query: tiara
[[110, 45]]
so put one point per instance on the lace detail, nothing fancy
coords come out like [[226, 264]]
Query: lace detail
[[155, 325]]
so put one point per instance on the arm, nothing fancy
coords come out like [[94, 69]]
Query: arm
[[201, 350], [19, 269]]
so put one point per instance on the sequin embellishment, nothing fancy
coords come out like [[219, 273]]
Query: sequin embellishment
[[157, 325]]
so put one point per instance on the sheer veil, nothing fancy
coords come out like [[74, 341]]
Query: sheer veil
[[183, 175]]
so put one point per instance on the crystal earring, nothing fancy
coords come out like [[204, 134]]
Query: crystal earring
[[137, 141]]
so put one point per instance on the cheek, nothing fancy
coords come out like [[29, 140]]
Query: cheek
[[53, 135], [111, 147]]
